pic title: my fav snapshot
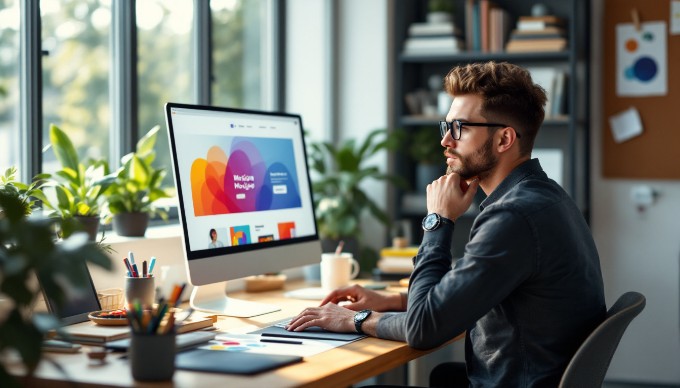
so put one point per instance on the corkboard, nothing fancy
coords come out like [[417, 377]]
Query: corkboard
[[655, 154]]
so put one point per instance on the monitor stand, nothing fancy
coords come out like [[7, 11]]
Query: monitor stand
[[212, 298]]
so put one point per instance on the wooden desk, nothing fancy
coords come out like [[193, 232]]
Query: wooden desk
[[338, 367]]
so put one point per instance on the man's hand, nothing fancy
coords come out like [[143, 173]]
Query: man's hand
[[361, 298], [330, 316], [450, 196]]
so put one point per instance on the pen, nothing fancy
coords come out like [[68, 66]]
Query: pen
[[278, 341], [153, 262], [128, 266], [135, 272], [132, 258], [144, 268]]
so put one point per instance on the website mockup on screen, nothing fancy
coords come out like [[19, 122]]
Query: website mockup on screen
[[241, 179]]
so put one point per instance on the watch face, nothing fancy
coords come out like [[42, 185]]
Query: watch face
[[361, 315], [430, 222]]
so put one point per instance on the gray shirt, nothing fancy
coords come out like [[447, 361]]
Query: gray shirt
[[528, 288]]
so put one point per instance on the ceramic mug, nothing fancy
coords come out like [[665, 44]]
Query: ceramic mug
[[337, 270]]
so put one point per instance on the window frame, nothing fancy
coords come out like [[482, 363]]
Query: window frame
[[123, 79]]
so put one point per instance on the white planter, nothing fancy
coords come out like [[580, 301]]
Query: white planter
[[438, 17]]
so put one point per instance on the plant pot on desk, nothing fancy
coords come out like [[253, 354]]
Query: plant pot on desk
[[90, 225], [131, 224]]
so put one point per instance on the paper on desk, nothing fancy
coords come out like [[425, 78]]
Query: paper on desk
[[626, 125], [251, 343]]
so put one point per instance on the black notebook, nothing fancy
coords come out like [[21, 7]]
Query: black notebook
[[316, 333], [240, 363]]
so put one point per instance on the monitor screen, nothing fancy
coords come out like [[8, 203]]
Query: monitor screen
[[245, 199]]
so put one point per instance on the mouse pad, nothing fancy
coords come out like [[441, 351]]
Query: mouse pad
[[232, 363]]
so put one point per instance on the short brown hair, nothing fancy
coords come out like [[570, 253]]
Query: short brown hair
[[510, 96]]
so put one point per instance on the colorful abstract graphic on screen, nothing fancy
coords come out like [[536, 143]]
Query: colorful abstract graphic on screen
[[254, 174]]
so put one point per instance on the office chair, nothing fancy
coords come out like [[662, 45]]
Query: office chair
[[589, 364]]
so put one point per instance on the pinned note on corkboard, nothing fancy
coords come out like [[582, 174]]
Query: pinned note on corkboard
[[641, 70]]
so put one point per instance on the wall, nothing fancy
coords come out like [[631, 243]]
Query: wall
[[638, 251]]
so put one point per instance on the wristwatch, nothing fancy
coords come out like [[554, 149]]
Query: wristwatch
[[359, 319], [433, 221]]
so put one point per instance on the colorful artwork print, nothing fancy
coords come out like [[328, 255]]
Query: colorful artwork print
[[240, 235], [641, 59], [256, 174], [286, 230]]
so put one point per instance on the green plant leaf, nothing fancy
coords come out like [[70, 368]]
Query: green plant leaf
[[63, 148], [146, 143]]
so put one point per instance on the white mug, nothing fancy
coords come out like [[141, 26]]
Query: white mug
[[337, 270]]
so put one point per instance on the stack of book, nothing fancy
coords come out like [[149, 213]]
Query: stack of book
[[538, 33], [395, 263], [433, 39], [553, 81]]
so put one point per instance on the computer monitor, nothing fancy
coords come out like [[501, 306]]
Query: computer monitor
[[245, 199]]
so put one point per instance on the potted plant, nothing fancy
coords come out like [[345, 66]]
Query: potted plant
[[424, 148], [79, 186], [339, 198], [27, 247], [439, 11], [131, 199]]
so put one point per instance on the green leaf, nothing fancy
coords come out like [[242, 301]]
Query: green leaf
[[63, 148], [146, 143]]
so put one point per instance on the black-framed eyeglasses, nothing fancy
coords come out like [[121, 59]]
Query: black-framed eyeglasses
[[456, 127]]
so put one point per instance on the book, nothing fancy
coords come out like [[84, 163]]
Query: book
[[90, 333], [541, 31], [433, 45], [558, 105], [407, 252], [545, 77], [553, 19], [538, 34], [426, 29], [400, 265], [527, 23], [536, 45]]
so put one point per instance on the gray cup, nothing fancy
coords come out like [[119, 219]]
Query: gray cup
[[152, 356], [142, 289]]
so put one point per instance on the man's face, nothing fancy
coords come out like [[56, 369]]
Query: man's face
[[473, 154]]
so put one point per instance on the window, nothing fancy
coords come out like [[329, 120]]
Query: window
[[9, 83], [164, 65], [85, 88], [239, 48], [75, 43]]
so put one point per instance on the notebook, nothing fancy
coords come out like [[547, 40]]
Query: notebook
[[182, 341], [240, 363]]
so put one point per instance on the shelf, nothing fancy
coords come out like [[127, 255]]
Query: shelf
[[476, 56]]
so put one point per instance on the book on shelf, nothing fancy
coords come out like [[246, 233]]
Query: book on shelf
[[534, 23], [536, 45], [552, 80], [542, 31], [407, 252], [398, 265], [486, 25], [433, 45], [434, 29], [538, 34]]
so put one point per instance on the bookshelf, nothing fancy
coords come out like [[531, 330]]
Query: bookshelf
[[564, 138]]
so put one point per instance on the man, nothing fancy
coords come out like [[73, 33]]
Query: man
[[528, 289]]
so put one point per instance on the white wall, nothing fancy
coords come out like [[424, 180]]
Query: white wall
[[638, 252]]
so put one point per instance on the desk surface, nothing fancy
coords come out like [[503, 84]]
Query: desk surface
[[338, 367]]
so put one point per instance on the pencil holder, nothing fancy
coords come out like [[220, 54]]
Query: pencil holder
[[142, 289], [152, 356]]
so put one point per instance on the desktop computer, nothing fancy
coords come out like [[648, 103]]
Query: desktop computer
[[245, 199]]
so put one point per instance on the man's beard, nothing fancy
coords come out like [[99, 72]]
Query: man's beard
[[479, 164]]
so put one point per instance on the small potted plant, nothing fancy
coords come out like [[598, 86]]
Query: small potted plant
[[131, 199], [79, 186], [28, 247], [439, 11], [425, 149], [339, 199]]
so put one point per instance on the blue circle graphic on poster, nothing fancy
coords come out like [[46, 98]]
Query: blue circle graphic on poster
[[645, 68]]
